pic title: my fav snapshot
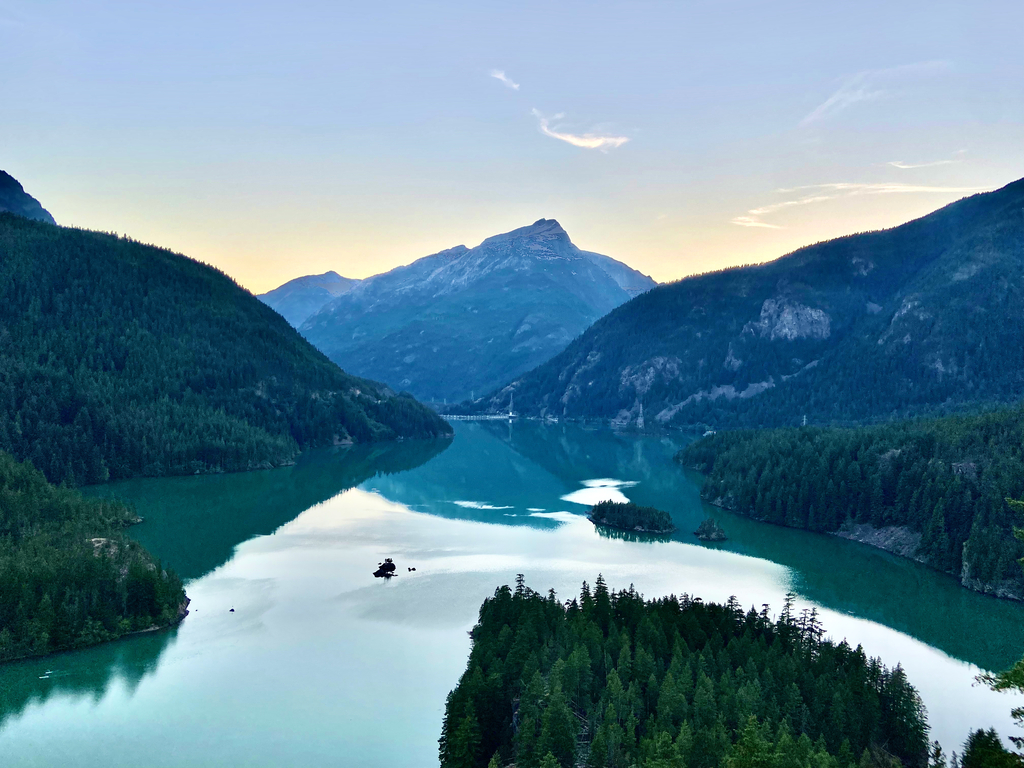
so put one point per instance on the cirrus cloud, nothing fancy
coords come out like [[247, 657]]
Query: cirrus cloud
[[590, 140], [870, 85], [819, 193]]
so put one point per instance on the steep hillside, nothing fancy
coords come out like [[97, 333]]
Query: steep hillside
[[925, 316], [297, 299], [121, 359], [467, 319], [932, 490], [14, 199]]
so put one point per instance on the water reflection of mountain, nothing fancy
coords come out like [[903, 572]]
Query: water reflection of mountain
[[88, 673], [532, 464], [193, 524], [479, 479]]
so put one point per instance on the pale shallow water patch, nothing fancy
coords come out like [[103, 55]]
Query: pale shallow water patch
[[478, 505], [600, 489]]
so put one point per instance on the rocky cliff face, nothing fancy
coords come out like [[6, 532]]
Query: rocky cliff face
[[14, 199], [464, 320], [928, 315]]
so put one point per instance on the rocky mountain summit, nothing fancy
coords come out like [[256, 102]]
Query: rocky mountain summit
[[467, 319], [927, 316], [14, 199]]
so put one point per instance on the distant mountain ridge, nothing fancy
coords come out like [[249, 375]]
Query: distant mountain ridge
[[927, 316], [14, 199], [297, 299], [466, 319]]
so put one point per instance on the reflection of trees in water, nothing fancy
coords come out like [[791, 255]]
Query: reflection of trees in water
[[193, 524], [87, 673], [617, 533]]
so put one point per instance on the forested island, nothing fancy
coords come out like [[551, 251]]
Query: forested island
[[628, 516], [933, 490], [121, 359], [610, 679], [710, 530], [69, 577]]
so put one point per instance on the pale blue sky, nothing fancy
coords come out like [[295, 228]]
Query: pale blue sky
[[279, 139]]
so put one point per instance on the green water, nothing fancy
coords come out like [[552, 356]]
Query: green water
[[321, 664]]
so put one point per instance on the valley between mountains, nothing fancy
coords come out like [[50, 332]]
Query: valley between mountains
[[164, 431]]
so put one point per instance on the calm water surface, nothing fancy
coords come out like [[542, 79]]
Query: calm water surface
[[321, 664]]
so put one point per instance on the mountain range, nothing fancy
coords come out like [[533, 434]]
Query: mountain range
[[924, 317], [466, 320]]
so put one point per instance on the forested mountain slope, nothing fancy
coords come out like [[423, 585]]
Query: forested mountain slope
[[468, 319], [933, 490], [924, 316], [297, 299], [14, 199], [121, 359]]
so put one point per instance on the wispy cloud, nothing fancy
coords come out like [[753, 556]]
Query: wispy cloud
[[819, 193], [908, 166], [753, 217], [870, 85], [856, 88], [499, 74], [600, 141], [852, 188]]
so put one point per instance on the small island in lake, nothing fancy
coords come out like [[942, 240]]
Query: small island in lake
[[631, 517], [710, 530]]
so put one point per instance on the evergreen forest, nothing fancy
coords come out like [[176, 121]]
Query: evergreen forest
[[946, 480], [119, 359], [631, 517], [69, 577], [610, 679]]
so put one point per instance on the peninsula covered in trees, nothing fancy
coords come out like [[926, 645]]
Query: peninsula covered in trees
[[628, 516], [120, 359], [69, 578], [932, 489], [610, 679]]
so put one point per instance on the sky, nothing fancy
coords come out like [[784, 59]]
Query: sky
[[274, 139]]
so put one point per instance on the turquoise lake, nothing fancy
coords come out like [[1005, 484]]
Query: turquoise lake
[[321, 664]]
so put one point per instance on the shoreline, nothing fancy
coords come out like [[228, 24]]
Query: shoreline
[[263, 466], [898, 541], [182, 613]]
